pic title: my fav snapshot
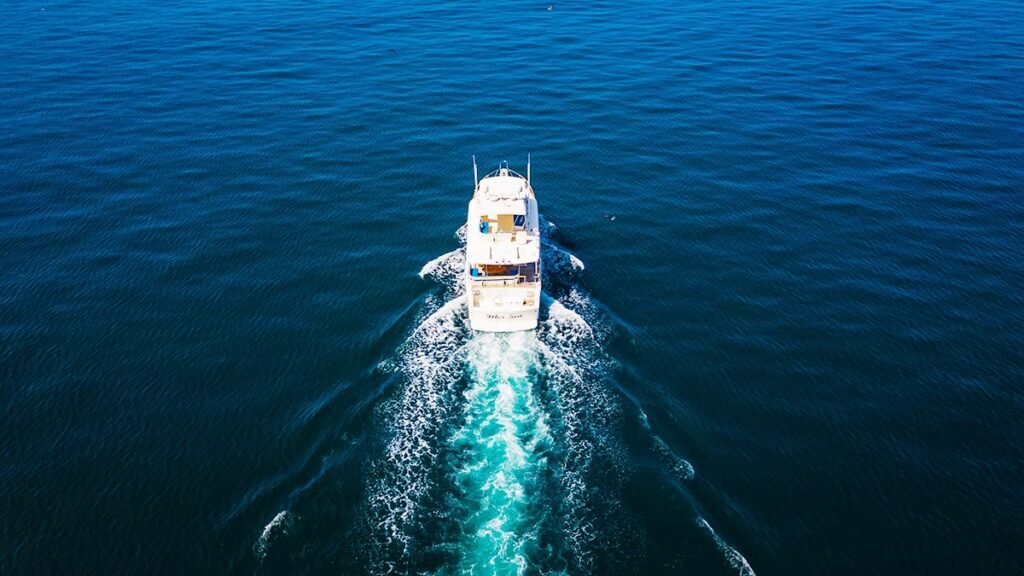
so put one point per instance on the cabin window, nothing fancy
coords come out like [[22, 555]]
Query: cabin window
[[528, 272]]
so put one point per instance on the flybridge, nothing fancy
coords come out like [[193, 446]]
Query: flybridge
[[503, 252]]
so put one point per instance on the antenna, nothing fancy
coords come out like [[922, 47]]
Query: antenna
[[527, 167], [475, 179]]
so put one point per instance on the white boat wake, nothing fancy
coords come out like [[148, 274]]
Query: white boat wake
[[496, 443]]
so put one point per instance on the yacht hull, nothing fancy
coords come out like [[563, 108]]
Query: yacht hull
[[503, 268], [503, 321]]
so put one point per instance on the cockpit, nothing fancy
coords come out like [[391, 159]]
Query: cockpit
[[525, 273]]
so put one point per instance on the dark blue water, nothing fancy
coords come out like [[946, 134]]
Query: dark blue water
[[783, 331]]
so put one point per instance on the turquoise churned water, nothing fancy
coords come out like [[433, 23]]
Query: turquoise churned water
[[504, 441], [782, 329]]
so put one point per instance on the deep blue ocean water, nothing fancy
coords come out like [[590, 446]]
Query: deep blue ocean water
[[784, 324]]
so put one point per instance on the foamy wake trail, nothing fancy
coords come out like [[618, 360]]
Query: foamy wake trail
[[735, 559], [561, 259], [501, 453], [526, 427], [446, 269], [679, 465], [504, 426], [431, 364], [588, 413], [279, 525]]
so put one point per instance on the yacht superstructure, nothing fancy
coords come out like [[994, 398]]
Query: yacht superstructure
[[503, 252]]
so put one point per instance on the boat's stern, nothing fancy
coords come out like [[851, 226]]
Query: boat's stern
[[503, 309]]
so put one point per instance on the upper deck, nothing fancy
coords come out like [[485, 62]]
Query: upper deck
[[502, 226]]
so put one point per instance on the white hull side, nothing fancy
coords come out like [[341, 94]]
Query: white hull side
[[503, 320]]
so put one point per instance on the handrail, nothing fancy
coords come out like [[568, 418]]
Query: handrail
[[510, 172], [503, 282]]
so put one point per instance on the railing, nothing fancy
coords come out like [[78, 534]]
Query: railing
[[504, 170], [504, 282], [527, 233]]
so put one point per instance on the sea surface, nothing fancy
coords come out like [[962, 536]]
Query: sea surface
[[782, 330]]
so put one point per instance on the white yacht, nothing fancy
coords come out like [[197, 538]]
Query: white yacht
[[503, 252]]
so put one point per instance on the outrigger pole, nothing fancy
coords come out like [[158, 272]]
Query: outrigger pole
[[475, 179], [527, 168]]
